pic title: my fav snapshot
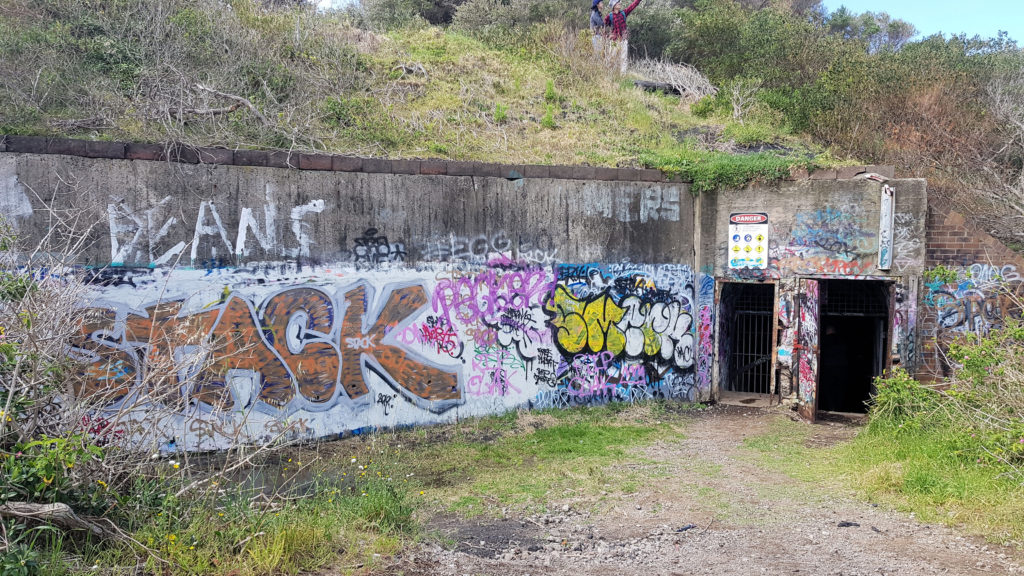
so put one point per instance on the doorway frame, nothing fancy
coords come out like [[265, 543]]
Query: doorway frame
[[719, 382], [890, 282]]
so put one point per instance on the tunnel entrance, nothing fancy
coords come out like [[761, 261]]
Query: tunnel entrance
[[854, 323], [747, 311]]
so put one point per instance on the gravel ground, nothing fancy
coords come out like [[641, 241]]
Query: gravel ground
[[716, 511]]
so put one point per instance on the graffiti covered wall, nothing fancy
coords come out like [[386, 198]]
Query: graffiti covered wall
[[237, 301], [248, 354], [972, 286], [826, 229], [239, 304], [823, 230]]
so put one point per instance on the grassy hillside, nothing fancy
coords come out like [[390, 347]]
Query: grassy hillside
[[787, 83], [236, 74]]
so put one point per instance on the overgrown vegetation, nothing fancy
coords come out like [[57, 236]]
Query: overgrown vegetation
[[469, 79], [85, 486], [528, 460], [377, 81], [950, 453]]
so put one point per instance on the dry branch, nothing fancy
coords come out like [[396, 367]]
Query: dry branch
[[243, 101], [682, 79], [73, 125], [58, 514], [207, 111]]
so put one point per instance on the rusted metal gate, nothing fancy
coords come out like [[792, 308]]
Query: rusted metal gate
[[751, 356]]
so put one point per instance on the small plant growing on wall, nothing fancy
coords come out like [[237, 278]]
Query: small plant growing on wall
[[941, 274]]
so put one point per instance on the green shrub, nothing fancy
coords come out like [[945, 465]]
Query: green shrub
[[195, 32], [900, 400], [43, 470], [391, 14], [705, 107]]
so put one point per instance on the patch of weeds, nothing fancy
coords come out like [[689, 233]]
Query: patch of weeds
[[906, 461], [383, 507], [468, 506], [506, 421], [551, 96], [537, 455], [783, 443], [713, 170], [941, 274], [750, 133], [500, 113], [708, 470], [548, 120], [365, 120]]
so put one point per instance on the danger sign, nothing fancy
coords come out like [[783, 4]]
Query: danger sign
[[748, 240]]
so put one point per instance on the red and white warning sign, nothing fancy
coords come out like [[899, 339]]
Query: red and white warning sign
[[748, 240]]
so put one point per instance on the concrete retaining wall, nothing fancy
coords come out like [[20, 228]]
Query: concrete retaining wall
[[361, 293]]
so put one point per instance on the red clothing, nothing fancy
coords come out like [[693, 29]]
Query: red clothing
[[617, 22]]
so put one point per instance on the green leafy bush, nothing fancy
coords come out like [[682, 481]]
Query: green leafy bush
[[901, 401]]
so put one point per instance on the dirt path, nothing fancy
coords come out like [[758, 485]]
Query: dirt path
[[711, 509]]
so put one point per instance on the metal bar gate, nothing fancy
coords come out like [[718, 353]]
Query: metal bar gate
[[751, 360]]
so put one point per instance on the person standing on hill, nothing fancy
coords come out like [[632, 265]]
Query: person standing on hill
[[597, 27], [597, 17], [617, 32]]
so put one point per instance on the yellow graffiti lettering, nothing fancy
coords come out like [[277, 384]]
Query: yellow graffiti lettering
[[590, 326]]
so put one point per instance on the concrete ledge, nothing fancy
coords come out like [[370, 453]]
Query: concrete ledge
[[136, 151], [183, 155], [564, 172], [346, 164], [216, 156], [250, 158], [433, 168], [376, 166], [405, 166], [512, 172], [486, 170], [536, 171], [99, 149], [282, 159], [584, 173], [460, 168], [339, 163], [28, 144], [315, 162], [649, 175]]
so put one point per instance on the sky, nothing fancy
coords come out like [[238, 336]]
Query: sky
[[982, 17]]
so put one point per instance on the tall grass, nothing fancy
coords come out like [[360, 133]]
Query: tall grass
[[949, 453]]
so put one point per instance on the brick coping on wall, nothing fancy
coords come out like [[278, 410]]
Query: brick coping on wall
[[340, 163]]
